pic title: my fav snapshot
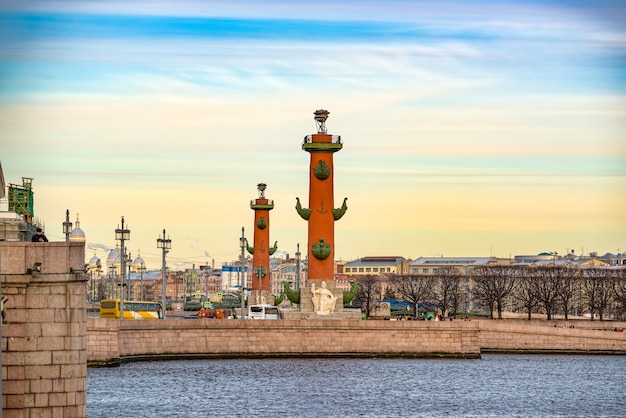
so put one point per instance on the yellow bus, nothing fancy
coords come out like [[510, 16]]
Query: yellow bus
[[110, 308]]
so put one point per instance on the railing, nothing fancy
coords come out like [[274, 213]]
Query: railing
[[335, 138], [270, 202]]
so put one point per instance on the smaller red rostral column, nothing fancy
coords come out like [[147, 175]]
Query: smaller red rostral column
[[261, 251]]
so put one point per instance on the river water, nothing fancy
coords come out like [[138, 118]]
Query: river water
[[493, 386]]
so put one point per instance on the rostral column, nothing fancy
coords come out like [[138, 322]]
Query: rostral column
[[321, 215], [261, 251]]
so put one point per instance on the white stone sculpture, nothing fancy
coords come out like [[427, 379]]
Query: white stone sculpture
[[323, 300]]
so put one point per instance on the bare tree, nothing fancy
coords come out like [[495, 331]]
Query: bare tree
[[597, 290], [568, 289], [620, 291], [446, 289], [414, 289], [483, 290], [369, 293], [525, 290], [548, 282], [493, 284]]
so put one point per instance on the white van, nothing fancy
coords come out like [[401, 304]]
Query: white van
[[263, 312]]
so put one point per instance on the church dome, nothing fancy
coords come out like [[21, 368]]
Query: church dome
[[114, 256], [77, 234], [94, 261]]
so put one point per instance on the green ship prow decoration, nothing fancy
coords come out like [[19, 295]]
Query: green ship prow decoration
[[292, 295], [350, 294]]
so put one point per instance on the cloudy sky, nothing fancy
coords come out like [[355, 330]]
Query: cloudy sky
[[470, 127]]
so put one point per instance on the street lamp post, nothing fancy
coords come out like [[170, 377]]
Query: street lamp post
[[165, 245], [260, 272], [296, 286], [111, 273], [122, 234], [206, 279], [242, 245], [129, 285], [98, 269], [67, 226], [141, 268]]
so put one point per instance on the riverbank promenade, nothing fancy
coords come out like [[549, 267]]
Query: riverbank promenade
[[110, 341]]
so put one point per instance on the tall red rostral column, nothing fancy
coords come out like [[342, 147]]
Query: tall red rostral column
[[321, 215], [261, 251]]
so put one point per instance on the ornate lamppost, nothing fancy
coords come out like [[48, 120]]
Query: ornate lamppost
[[296, 286], [141, 268], [260, 272], [129, 285], [242, 245], [165, 245], [122, 234], [98, 269], [67, 226]]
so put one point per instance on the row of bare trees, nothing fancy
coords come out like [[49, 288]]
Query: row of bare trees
[[598, 292]]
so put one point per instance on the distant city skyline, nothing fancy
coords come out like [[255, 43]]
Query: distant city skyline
[[470, 128]]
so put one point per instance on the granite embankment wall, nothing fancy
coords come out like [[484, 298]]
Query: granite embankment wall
[[175, 338], [223, 338], [558, 336]]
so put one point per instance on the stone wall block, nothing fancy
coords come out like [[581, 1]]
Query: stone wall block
[[38, 315], [15, 316], [41, 400], [13, 387], [60, 315], [51, 343], [34, 299], [65, 357], [13, 373], [13, 358], [57, 399], [16, 300], [42, 372], [77, 329], [35, 358], [75, 343], [56, 301], [58, 289], [73, 370], [58, 385], [38, 289], [55, 329], [41, 386], [32, 329], [12, 401]]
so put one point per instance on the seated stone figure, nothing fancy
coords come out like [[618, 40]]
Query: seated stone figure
[[323, 300]]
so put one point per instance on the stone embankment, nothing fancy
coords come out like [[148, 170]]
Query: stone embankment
[[110, 341]]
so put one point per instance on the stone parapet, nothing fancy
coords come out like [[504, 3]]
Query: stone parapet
[[543, 336], [282, 338], [111, 341]]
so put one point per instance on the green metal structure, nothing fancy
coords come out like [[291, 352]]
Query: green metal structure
[[21, 198]]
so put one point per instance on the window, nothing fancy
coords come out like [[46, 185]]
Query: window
[[375, 269], [424, 270], [360, 269], [368, 269]]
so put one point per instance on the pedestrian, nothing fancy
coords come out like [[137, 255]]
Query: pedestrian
[[39, 236]]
